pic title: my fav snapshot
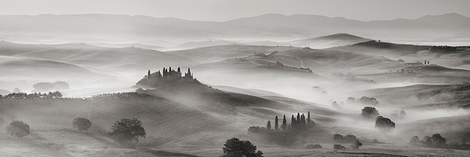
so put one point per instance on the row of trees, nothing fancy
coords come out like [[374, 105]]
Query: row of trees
[[363, 100], [47, 87], [437, 141], [355, 143], [284, 134], [300, 122], [48, 95], [125, 131]]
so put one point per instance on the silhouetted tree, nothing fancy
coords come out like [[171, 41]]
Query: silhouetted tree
[[384, 124], [81, 123], [369, 112], [276, 124], [414, 140], [308, 118], [268, 126], [426, 140], [350, 139], [369, 101], [292, 123], [338, 138], [438, 140], [338, 146], [284, 123], [238, 148], [43, 87], [60, 85], [126, 130], [18, 129], [351, 100], [356, 144]]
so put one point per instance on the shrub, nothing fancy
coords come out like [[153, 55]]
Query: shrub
[[313, 146], [414, 140], [338, 138], [369, 112], [237, 148], [18, 129], [338, 146], [81, 123], [126, 130], [384, 124], [356, 144]]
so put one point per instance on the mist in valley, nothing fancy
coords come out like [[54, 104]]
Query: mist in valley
[[125, 84]]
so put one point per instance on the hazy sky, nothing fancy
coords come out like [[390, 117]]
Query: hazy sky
[[222, 10]]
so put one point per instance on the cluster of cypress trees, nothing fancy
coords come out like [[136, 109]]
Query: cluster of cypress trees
[[299, 122]]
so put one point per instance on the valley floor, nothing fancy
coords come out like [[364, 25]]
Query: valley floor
[[49, 141]]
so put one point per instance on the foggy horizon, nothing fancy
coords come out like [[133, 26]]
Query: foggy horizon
[[225, 10]]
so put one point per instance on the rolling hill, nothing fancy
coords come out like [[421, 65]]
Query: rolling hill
[[130, 60], [334, 40]]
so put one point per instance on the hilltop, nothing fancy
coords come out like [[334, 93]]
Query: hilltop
[[334, 40]]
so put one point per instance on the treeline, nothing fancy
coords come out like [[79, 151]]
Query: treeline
[[284, 134], [20, 95], [437, 141], [123, 95], [351, 139]]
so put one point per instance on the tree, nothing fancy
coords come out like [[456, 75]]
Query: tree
[[292, 123], [81, 123], [351, 100], [414, 140], [276, 124], [18, 129], [356, 144], [308, 118], [42, 87], [350, 138], [368, 101], [338, 138], [384, 124], [438, 140], [237, 148], [426, 140], [60, 85], [369, 112], [284, 123], [338, 146], [126, 130], [268, 126]]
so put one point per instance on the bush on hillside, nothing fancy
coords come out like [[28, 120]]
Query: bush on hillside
[[81, 123], [18, 129]]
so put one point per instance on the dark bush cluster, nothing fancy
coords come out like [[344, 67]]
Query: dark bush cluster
[[437, 141], [369, 112], [18, 129], [344, 139], [384, 124], [235, 147], [81, 123]]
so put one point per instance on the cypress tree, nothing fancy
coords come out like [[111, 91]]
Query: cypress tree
[[292, 123], [268, 126], [302, 119], [276, 124], [284, 121], [308, 118], [148, 74], [298, 118]]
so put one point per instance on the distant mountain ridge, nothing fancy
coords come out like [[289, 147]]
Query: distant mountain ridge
[[148, 30]]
